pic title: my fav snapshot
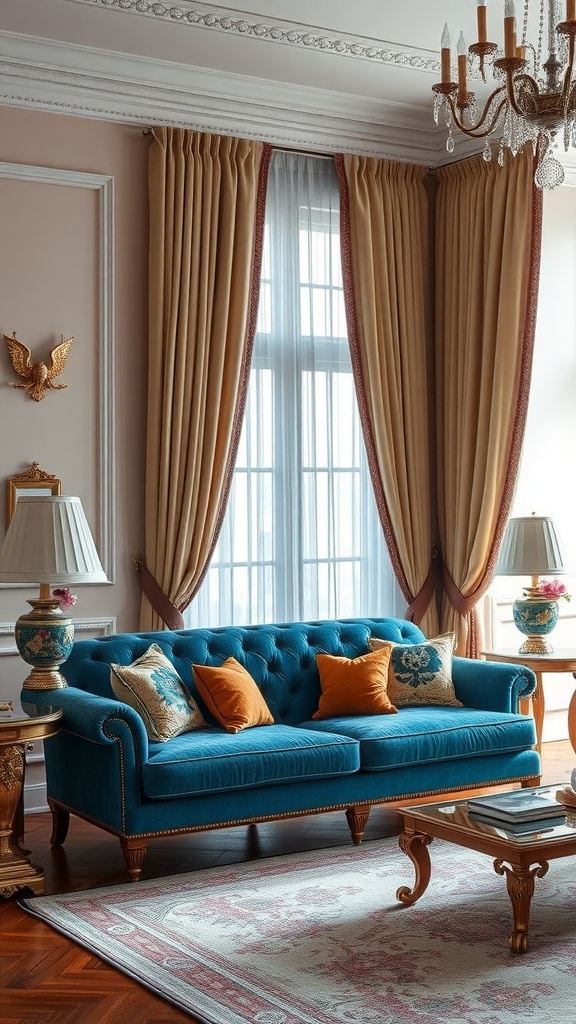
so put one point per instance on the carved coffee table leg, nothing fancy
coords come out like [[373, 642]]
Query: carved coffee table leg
[[520, 885], [414, 845]]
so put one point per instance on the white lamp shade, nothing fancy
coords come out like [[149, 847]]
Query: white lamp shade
[[49, 541], [531, 547]]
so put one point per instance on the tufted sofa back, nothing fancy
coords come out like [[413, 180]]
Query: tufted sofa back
[[280, 657]]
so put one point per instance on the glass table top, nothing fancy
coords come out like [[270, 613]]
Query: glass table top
[[13, 711], [461, 814]]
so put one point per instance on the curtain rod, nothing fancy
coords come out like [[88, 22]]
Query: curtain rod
[[286, 149], [302, 152], [277, 149]]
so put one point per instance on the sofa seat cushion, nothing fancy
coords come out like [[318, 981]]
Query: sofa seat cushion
[[213, 760], [431, 734]]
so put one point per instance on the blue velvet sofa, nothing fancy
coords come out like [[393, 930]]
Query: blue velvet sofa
[[102, 766]]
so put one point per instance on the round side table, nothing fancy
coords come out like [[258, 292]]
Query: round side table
[[19, 724]]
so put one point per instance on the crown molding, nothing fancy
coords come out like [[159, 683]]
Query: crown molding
[[70, 79], [232, 21]]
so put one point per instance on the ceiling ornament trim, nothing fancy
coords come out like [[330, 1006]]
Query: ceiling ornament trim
[[305, 138], [286, 32], [61, 77]]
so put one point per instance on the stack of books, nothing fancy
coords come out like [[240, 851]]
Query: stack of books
[[520, 812]]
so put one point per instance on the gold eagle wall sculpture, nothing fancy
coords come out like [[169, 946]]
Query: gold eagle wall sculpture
[[37, 377]]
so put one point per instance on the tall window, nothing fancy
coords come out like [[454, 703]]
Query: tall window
[[301, 537]]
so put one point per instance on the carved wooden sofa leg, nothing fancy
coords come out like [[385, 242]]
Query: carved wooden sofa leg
[[357, 818], [134, 851], [60, 823]]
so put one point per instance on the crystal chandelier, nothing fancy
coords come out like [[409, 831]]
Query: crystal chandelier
[[533, 101]]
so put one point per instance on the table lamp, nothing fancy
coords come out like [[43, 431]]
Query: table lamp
[[531, 547], [48, 542]]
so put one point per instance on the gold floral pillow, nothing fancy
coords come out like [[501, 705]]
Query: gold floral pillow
[[421, 673], [153, 688]]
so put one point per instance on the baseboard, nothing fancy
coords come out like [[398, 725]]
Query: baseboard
[[35, 800]]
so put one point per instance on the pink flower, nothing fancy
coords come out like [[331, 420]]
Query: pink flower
[[553, 589], [65, 598]]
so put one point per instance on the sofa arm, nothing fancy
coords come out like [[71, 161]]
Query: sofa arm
[[93, 718], [491, 686]]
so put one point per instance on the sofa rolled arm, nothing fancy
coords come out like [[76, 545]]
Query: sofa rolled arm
[[490, 685], [93, 718]]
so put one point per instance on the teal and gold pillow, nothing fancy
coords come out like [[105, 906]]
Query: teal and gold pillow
[[153, 688], [421, 673]]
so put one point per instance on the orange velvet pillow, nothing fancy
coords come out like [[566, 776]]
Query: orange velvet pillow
[[232, 696], [354, 686]]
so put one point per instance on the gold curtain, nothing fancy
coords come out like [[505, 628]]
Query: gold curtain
[[488, 230], [207, 197], [385, 266]]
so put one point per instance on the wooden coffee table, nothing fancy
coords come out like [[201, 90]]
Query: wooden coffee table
[[521, 858]]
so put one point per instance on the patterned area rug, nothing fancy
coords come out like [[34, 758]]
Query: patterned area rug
[[319, 938]]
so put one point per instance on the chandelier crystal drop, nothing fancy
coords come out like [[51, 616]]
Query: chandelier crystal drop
[[535, 96]]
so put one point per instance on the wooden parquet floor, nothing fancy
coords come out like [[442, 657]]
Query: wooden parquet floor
[[45, 977]]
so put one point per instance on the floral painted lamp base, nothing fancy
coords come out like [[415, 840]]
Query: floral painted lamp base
[[44, 639], [535, 617]]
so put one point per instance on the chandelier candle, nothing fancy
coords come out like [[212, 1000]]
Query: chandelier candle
[[570, 10], [445, 55], [509, 29], [481, 15], [462, 67]]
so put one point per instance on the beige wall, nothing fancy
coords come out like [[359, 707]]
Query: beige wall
[[53, 249]]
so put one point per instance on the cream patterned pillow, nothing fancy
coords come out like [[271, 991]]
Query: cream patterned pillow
[[421, 673], [153, 688]]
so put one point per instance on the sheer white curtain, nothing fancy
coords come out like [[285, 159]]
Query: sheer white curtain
[[301, 538]]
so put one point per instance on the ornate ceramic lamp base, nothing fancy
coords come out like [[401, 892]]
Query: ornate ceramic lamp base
[[536, 645], [44, 639], [536, 618]]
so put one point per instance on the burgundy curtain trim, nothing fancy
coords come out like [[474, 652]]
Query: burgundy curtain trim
[[417, 607], [158, 599], [352, 322], [247, 359], [463, 605], [466, 607]]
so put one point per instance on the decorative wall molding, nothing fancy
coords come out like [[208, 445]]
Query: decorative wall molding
[[104, 186], [232, 22], [65, 78]]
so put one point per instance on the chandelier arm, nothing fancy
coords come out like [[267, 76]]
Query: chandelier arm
[[510, 90], [474, 132]]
